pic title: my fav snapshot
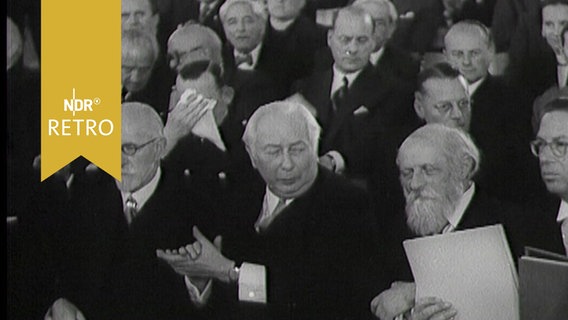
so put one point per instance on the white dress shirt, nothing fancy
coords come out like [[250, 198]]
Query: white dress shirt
[[562, 218], [254, 54]]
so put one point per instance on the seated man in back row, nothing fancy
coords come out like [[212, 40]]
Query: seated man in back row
[[309, 228]]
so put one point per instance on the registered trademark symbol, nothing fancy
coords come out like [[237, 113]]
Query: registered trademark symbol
[[97, 101]]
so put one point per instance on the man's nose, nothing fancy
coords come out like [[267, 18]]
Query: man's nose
[[416, 181], [466, 59], [456, 112], [287, 162]]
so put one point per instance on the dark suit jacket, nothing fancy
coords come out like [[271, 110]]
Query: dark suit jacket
[[350, 133], [109, 269], [317, 252], [215, 172], [175, 12], [299, 43], [538, 227], [532, 67], [502, 133], [253, 88], [483, 210]]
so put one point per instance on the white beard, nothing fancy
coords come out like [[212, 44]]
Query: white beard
[[427, 209]]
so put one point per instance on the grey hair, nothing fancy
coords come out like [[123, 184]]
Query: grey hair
[[139, 40], [467, 25], [257, 6], [283, 109], [453, 143], [393, 13]]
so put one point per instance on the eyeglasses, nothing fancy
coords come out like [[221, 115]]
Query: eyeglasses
[[130, 149], [557, 146], [446, 106]]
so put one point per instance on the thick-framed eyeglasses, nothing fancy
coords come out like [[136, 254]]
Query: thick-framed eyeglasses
[[447, 106], [557, 146], [130, 149]]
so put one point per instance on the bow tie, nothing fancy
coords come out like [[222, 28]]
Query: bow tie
[[245, 58]]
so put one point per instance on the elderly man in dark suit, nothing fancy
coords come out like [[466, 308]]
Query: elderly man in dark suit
[[437, 164], [109, 234], [245, 25], [308, 230], [355, 104], [386, 57], [495, 112]]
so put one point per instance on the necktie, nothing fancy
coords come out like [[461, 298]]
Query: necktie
[[340, 95], [267, 217], [130, 208], [243, 58], [564, 229]]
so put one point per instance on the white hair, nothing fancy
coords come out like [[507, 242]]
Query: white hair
[[257, 6]]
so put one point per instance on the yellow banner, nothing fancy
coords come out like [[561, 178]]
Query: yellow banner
[[80, 84]]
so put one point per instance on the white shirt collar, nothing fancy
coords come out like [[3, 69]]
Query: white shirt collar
[[471, 87], [337, 81], [563, 211], [280, 25], [376, 56], [143, 194], [254, 53], [455, 218], [272, 200], [562, 75]]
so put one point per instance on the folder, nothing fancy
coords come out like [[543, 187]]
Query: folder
[[472, 269], [543, 285]]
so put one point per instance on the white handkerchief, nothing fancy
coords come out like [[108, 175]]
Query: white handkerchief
[[361, 110], [206, 127]]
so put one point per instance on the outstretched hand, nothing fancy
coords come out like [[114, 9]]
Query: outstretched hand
[[201, 258]]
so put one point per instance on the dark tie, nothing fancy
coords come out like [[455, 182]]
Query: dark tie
[[266, 218], [339, 96], [243, 58], [130, 208]]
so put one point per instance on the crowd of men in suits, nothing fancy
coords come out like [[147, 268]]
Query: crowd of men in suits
[[273, 163]]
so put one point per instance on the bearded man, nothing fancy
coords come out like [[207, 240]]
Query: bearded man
[[437, 164]]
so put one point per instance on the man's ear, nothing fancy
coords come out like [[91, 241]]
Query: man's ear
[[329, 37], [418, 105], [161, 147], [467, 166]]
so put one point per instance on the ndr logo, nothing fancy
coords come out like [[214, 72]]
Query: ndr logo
[[75, 105]]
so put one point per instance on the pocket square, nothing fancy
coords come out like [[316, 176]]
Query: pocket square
[[361, 110]]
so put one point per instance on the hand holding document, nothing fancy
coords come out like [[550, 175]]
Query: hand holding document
[[471, 269]]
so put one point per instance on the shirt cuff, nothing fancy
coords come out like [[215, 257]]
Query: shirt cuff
[[252, 283], [338, 159], [198, 298]]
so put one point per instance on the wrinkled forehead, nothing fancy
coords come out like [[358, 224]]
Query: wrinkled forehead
[[419, 151], [444, 89], [554, 124], [130, 6], [281, 129], [555, 12], [349, 23]]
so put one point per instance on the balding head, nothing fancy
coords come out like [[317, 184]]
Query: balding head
[[143, 145], [281, 139], [193, 42], [384, 16], [470, 49], [437, 164]]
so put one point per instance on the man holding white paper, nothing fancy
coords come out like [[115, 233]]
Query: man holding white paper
[[303, 248], [437, 164]]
